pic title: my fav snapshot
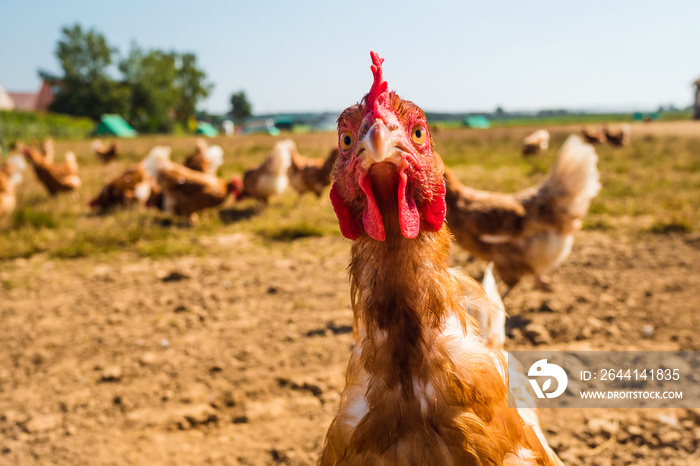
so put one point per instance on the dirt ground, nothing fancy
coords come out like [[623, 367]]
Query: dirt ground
[[238, 357]]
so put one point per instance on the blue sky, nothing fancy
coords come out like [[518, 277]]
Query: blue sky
[[447, 56]]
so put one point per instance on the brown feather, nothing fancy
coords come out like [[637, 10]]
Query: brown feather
[[415, 393], [186, 191], [528, 232], [122, 190], [54, 176], [106, 154], [311, 175]]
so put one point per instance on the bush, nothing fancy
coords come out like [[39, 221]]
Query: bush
[[34, 125]]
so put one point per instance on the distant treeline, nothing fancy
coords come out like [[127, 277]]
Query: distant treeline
[[156, 91]]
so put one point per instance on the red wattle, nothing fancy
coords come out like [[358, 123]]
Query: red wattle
[[433, 211], [409, 218], [349, 226], [371, 218]]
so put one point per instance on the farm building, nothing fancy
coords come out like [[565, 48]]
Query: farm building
[[480, 122], [114, 125], [6, 102], [696, 106], [34, 101], [206, 129]]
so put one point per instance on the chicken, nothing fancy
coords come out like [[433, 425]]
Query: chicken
[[529, 232], [620, 136], [10, 176], [536, 142], [270, 178], [104, 153], [185, 191], [134, 186], [311, 175], [48, 149], [207, 159], [423, 385], [594, 136], [55, 177]]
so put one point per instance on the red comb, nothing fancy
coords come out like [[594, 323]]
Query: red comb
[[379, 86], [378, 96]]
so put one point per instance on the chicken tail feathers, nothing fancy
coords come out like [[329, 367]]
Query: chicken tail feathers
[[493, 325], [71, 162], [281, 157], [18, 165], [574, 179], [215, 156], [158, 158]]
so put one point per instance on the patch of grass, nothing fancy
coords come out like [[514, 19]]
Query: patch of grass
[[291, 232], [7, 284], [165, 248], [599, 224], [674, 226], [26, 216]]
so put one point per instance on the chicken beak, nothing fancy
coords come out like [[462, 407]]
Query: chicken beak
[[377, 144]]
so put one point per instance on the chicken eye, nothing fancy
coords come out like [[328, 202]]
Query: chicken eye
[[418, 134], [346, 140]]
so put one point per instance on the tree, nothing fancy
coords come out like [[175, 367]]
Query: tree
[[151, 78], [158, 88], [86, 88], [240, 107], [190, 80], [165, 88]]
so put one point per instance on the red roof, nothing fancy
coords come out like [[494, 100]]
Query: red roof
[[23, 100]]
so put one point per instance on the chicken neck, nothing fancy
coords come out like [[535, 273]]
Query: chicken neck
[[402, 292]]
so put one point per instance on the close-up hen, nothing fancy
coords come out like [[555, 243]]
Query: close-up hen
[[424, 385], [529, 232]]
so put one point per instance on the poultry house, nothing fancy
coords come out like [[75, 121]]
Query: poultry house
[[185, 191], [134, 186], [56, 177], [532, 231], [206, 158], [104, 153], [424, 385], [536, 142], [619, 136], [270, 178], [311, 175], [10, 176]]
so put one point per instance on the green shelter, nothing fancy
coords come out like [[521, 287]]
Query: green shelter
[[206, 129], [477, 122], [114, 125]]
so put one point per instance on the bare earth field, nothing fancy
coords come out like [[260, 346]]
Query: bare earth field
[[230, 348]]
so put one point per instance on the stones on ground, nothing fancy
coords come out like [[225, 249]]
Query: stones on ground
[[111, 374], [182, 417], [148, 359], [537, 334], [175, 276], [605, 427], [43, 423]]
